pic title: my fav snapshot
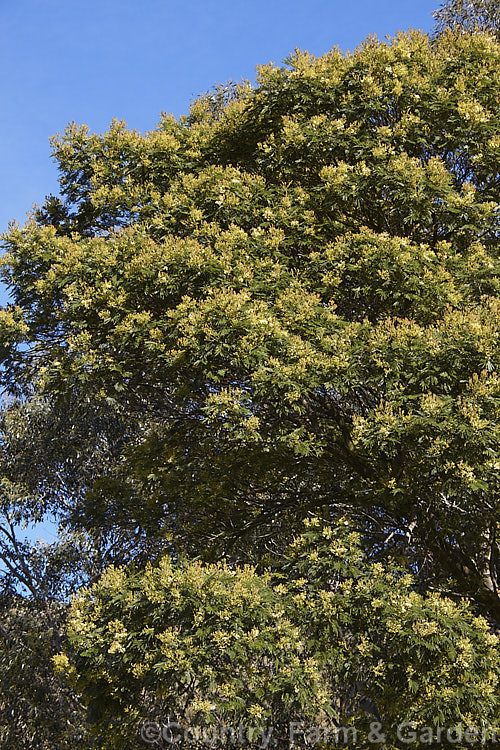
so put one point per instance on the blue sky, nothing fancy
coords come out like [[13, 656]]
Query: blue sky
[[92, 61]]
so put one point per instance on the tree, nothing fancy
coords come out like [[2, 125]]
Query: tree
[[38, 709], [281, 306], [334, 642], [47, 454], [469, 15]]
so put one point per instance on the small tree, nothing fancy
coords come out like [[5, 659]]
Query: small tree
[[327, 640]]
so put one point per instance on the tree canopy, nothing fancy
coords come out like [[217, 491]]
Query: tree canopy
[[323, 639], [283, 306], [469, 15]]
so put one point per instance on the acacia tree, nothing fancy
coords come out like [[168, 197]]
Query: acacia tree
[[288, 301], [326, 640], [299, 295]]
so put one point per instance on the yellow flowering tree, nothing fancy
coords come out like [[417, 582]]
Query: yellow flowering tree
[[326, 640], [290, 299], [285, 303]]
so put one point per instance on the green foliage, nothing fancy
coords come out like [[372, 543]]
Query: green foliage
[[38, 709], [284, 304], [47, 455], [298, 299], [212, 645]]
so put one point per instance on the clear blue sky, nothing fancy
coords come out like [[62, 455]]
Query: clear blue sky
[[63, 60]]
